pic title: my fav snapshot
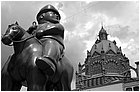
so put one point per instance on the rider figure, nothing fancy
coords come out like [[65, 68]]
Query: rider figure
[[51, 33]]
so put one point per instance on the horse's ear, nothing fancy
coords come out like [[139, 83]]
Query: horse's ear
[[16, 23], [9, 26]]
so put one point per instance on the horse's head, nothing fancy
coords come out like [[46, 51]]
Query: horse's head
[[13, 33]]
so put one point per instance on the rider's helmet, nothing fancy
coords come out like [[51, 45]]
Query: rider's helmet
[[48, 13]]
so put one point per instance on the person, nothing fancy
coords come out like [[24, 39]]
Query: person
[[51, 34]]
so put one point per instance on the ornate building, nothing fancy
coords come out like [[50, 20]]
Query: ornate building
[[104, 65]]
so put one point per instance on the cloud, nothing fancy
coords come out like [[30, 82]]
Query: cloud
[[88, 25], [88, 1]]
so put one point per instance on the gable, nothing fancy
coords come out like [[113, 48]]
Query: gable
[[95, 54], [110, 52]]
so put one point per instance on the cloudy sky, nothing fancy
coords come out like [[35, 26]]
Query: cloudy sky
[[82, 21]]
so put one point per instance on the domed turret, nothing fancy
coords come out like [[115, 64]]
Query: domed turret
[[103, 45], [103, 34]]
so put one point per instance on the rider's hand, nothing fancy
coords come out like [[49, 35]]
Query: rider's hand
[[31, 29], [39, 34]]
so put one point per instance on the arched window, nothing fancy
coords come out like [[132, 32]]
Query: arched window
[[92, 83], [128, 89], [136, 88], [97, 68]]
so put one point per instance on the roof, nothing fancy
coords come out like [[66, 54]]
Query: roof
[[104, 45]]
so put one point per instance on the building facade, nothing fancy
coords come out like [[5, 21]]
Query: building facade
[[106, 68]]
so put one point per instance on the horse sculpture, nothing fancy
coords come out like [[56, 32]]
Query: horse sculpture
[[21, 67]]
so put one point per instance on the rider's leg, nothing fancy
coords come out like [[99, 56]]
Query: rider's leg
[[51, 54]]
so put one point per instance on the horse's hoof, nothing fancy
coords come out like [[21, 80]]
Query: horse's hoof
[[46, 66]]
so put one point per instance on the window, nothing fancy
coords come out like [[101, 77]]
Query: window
[[101, 80], [84, 83], [88, 83], [98, 81], [136, 88], [128, 89], [92, 83]]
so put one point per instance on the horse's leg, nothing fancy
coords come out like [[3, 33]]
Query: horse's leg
[[67, 79], [16, 86], [49, 86], [67, 74], [36, 80], [58, 86], [65, 82], [7, 83]]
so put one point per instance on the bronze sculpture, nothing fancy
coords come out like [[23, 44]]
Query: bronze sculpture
[[28, 64]]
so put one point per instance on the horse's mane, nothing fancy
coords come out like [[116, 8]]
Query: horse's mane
[[21, 28]]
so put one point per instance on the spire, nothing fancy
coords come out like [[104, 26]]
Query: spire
[[88, 53], [109, 45], [97, 41], [76, 73], [114, 42], [103, 34], [79, 64]]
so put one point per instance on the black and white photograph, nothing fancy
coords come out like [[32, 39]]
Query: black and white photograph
[[87, 45]]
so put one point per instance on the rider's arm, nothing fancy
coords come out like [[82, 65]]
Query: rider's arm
[[52, 29], [55, 29]]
